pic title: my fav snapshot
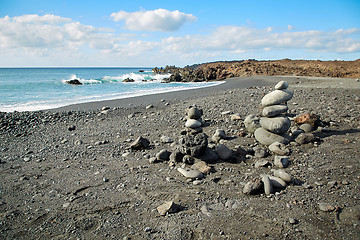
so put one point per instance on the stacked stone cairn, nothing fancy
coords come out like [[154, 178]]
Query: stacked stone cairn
[[274, 123], [270, 129]]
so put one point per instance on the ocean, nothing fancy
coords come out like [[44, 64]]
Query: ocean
[[32, 89]]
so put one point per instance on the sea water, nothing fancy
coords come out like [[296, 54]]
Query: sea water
[[31, 89]]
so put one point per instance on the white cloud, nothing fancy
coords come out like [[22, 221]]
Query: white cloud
[[156, 20]]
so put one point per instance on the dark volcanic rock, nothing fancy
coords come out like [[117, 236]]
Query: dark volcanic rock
[[193, 145], [74, 82]]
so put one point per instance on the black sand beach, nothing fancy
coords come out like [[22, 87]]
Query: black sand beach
[[70, 173]]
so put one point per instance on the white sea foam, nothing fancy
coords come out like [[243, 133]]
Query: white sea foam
[[55, 103]]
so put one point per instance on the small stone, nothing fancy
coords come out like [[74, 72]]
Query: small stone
[[205, 210], [149, 106], [168, 207], [26, 159], [202, 167], [218, 135], [65, 205], [251, 123], [197, 182], [163, 155], [279, 124], [292, 221], [72, 128], [276, 97], [105, 179], [194, 113], [140, 143], [262, 163], [306, 127], [165, 139], [209, 156], [253, 187], [265, 137], [223, 152], [282, 174], [274, 110], [305, 138], [192, 123], [279, 148], [260, 152], [325, 207], [225, 113], [64, 141], [125, 154], [191, 173], [309, 118], [332, 184], [105, 108], [235, 117], [281, 85], [176, 156], [268, 187], [188, 159], [281, 161]]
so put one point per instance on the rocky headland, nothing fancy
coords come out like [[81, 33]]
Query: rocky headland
[[228, 69]]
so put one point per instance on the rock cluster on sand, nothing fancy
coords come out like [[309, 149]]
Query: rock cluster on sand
[[273, 123]]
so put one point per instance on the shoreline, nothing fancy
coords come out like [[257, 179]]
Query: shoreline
[[173, 97]]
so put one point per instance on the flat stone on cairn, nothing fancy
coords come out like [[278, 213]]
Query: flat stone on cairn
[[193, 118], [274, 124]]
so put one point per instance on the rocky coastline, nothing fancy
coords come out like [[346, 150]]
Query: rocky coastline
[[191, 168], [228, 69]]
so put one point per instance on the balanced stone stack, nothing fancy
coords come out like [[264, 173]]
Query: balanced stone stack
[[274, 123], [194, 120]]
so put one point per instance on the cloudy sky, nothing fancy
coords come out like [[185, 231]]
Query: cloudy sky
[[159, 33]]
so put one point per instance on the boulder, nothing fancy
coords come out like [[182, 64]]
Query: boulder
[[265, 137], [274, 110], [276, 97], [251, 123], [279, 124]]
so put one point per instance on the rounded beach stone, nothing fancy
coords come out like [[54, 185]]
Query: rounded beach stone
[[223, 152], [277, 182], [304, 138], [306, 127], [279, 124], [276, 97], [279, 148], [251, 123], [219, 134], [268, 187], [281, 85], [192, 123], [274, 110], [193, 113], [190, 173], [265, 137], [282, 174]]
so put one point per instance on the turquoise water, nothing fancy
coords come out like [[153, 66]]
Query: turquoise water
[[30, 89]]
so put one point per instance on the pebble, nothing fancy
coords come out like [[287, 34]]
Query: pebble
[[165, 139], [252, 187], [191, 173], [262, 163], [325, 207], [268, 187], [149, 106], [226, 113], [279, 148], [292, 221], [251, 123], [167, 207], [26, 159], [281, 85], [306, 127], [194, 113], [281, 161]]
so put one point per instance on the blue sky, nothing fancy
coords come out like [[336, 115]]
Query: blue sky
[[157, 33]]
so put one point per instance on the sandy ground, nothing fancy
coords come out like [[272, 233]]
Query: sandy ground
[[69, 173]]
